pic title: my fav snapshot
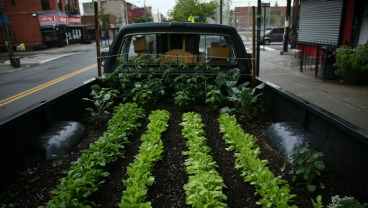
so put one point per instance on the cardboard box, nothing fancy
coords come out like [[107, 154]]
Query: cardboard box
[[215, 44], [218, 52], [177, 56], [140, 45]]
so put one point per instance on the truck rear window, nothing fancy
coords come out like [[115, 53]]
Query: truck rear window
[[179, 48]]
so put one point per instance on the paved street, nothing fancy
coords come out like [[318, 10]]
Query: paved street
[[35, 59], [44, 75]]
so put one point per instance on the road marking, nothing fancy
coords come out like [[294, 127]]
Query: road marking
[[39, 59], [35, 89]]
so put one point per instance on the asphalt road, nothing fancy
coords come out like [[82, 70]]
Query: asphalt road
[[42, 82]]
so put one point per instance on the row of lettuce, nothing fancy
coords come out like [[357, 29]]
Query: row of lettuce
[[205, 185]]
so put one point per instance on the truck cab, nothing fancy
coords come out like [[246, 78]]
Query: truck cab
[[178, 42]]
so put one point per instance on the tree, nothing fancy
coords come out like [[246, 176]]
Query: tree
[[185, 8], [144, 19], [105, 18]]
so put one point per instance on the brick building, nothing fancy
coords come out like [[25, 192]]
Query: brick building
[[275, 17], [41, 23]]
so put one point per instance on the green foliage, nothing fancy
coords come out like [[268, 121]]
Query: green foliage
[[345, 202], [147, 18], [148, 91], [204, 188], [214, 97], [140, 171], [87, 173], [228, 80], [105, 18], [185, 8], [102, 99], [274, 191], [343, 59], [360, 57], [244, 100], [305, 162], [352, 59], [318, 202], [182, 99]]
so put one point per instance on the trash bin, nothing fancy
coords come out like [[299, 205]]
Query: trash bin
[[15, 61], [327, 62]]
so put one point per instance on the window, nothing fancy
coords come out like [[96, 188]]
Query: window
[[45, 4], [59, 5], [186, 48]]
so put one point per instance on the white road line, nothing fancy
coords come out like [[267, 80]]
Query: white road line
[[39, 59]]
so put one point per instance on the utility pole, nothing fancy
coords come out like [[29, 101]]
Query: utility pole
[[295, 24], [287, 25], [97, 30], [221, 12], [6, 31], [259, 13]]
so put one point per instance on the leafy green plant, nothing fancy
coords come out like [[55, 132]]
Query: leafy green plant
[[87, 173], [345, 202], [102, 99], [343, 59], [352, 59], [182, 99], [244, 100], [142, 95], [213, 97], [306, 162], [318, 202], [228, 80], [140, 171], [204, 188], [360, 57], [28, 172], [273, 190]]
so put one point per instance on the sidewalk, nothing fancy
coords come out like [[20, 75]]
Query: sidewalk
[[346, 101]]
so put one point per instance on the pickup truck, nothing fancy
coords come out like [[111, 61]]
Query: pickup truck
[[345, 146]]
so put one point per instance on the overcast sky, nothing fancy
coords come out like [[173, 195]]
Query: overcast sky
[[163, 6]]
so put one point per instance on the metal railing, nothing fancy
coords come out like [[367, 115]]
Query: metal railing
[[319, 56]]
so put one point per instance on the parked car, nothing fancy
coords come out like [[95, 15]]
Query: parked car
[[273, 35], [190, 43]]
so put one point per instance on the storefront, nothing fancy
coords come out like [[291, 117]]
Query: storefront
[[60, 29]]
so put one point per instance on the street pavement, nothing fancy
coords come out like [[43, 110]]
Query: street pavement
[[349, 102]]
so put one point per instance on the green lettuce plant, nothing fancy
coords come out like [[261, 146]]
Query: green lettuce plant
[[274, 191], [87, 173], [204, 188], [140, 171], [318, 202]]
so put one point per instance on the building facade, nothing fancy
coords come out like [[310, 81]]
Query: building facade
[[275, 17], [43, 23], [339, 22]]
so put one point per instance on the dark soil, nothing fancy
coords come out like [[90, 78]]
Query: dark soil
[[33, 190]]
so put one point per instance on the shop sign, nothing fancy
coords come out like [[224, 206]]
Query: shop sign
[[63, 19], [48, 19], [74, 20]]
